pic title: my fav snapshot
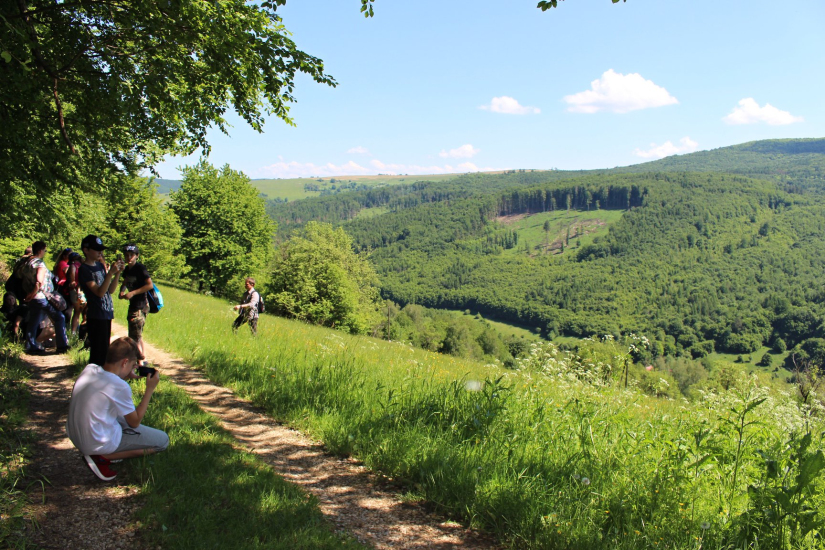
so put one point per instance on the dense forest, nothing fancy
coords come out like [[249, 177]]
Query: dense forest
[[726, 257]]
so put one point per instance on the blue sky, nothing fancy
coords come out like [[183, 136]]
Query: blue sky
[[435, 86]]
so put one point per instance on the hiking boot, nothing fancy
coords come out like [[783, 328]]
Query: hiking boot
[[100, 467]]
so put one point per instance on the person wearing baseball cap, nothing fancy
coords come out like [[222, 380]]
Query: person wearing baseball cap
[[92, 242], [98, 284], [136, 283]]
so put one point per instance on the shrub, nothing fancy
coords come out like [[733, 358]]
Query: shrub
[[742, 343], [701, 349]]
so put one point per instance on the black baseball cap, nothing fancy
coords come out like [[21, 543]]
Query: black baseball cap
[[131, 248], [92, 242]]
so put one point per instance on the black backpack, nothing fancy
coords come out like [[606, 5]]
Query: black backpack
[[261, 305], [26, 274]]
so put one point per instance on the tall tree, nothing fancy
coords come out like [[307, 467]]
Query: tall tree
[[137, 214], [319, 278], [544, 5], [94, 88], [226, 232]]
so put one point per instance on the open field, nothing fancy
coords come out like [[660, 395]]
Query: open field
[[569, 229], [506, 329], [301, 188], [539, 456], [293, 189]]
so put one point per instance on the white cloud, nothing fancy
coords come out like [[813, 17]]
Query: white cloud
[[619, 93], [358, 150], [467, 167], [464, 152], [749, 112], [307, 170], [666, 149], [509, 106]]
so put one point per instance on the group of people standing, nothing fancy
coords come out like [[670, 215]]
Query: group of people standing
[[103, 422], [77, 287]]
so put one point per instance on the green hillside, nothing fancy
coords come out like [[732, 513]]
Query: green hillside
[[546, 455], [293, 189], [799, 164], [701, 261], [342, 207]]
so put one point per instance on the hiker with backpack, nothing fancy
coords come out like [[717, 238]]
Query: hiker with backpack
[[13, 307], [136, 283], [98, 283], [249, 308], [43, 299]]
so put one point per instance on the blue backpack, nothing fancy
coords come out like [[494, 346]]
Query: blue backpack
[[155, 299]]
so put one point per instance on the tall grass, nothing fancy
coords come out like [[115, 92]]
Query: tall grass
[[537, 456]]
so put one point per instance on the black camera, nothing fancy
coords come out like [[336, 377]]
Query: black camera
[[146, 370]]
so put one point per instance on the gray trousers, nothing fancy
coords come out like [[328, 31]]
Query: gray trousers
[[142, 437]]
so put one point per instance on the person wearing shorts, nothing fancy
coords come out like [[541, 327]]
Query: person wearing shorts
[[103, 423], [76, 297], [136, 283]]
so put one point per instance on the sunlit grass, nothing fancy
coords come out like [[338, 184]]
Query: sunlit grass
[[204, 492], [536, 456]]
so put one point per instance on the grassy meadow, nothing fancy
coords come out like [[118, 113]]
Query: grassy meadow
[[506, 329], [545, 456], [583, 227], [294, 189]]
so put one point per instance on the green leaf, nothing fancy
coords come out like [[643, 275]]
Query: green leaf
[[809, 469]]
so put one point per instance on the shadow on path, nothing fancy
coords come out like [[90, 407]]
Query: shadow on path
[[72, 508]]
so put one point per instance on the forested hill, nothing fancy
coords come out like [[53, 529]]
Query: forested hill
[[727, 257], [347, 206], [797, 163], [694, 261]]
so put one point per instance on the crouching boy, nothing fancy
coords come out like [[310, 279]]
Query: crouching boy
[[103, 423]]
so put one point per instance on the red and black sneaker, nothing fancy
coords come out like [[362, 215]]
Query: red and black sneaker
[[100, 466]]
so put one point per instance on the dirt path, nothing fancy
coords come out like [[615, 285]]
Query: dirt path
[[76, 510], [349, 495]]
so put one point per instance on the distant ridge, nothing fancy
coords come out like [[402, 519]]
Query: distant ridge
[[796, 162], [167, 186]]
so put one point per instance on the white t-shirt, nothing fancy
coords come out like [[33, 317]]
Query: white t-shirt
[[37, 264], [98, 399]]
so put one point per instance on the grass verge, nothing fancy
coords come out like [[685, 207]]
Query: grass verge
[[15, 449], [204, 492]]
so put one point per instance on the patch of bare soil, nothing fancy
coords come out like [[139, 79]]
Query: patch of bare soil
[[350, 496], [512, 218]]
